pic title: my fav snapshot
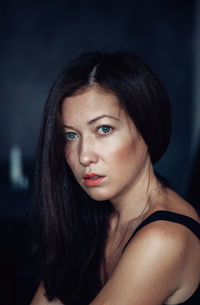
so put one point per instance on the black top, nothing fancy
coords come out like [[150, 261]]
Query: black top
[[186, 221]]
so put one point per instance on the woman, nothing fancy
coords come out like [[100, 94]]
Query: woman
[[109, 232]]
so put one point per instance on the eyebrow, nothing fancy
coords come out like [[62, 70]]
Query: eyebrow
[[96, 119], [102, 116]]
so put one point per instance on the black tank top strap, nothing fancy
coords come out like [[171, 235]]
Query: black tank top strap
[[187, 221]]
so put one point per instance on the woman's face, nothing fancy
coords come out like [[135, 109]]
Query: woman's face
[[103, 147]]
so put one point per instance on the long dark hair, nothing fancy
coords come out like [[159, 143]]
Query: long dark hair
[[72, 227]]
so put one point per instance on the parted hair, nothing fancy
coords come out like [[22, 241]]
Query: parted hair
[[71, 228]]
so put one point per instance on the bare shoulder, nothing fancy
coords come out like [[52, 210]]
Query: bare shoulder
[[156, 257], [169, 235], [169, 229], [159, 237], [161, 259], [40, 299]]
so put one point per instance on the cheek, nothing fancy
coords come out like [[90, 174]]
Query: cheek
[[124, 151], [129, 155]]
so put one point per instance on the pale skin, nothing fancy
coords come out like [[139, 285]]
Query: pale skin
[[161, 263]]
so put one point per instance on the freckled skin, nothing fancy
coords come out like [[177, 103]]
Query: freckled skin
[[120, 155]]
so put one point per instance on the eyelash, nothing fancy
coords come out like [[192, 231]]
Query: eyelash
[[97, 130], [68, 133], [104, 133]]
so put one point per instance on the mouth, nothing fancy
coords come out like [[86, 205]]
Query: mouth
[[92, 179]]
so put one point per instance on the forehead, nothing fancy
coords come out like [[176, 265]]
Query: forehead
[[92, 101]]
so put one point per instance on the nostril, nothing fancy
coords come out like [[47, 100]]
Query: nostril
[[87, 152], [88, 157]]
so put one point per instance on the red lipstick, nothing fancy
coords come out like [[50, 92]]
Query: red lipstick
[[92, 179]]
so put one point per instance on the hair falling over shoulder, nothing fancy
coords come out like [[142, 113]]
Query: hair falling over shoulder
[[71, 227]]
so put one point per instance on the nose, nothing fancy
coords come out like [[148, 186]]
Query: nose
[[87, 153]]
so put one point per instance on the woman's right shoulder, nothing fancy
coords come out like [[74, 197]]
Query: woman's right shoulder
[[40, 298]]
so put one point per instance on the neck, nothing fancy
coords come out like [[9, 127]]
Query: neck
[[135, 201]]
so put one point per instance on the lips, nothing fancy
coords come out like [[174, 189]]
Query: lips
[[92, 179]]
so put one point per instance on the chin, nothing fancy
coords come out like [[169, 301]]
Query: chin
[[98, 196]]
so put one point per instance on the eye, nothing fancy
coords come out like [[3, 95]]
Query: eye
[[70, 135], [104, 129]]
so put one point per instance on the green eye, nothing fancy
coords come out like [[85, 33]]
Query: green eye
[[70, 135], [104, 129]]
